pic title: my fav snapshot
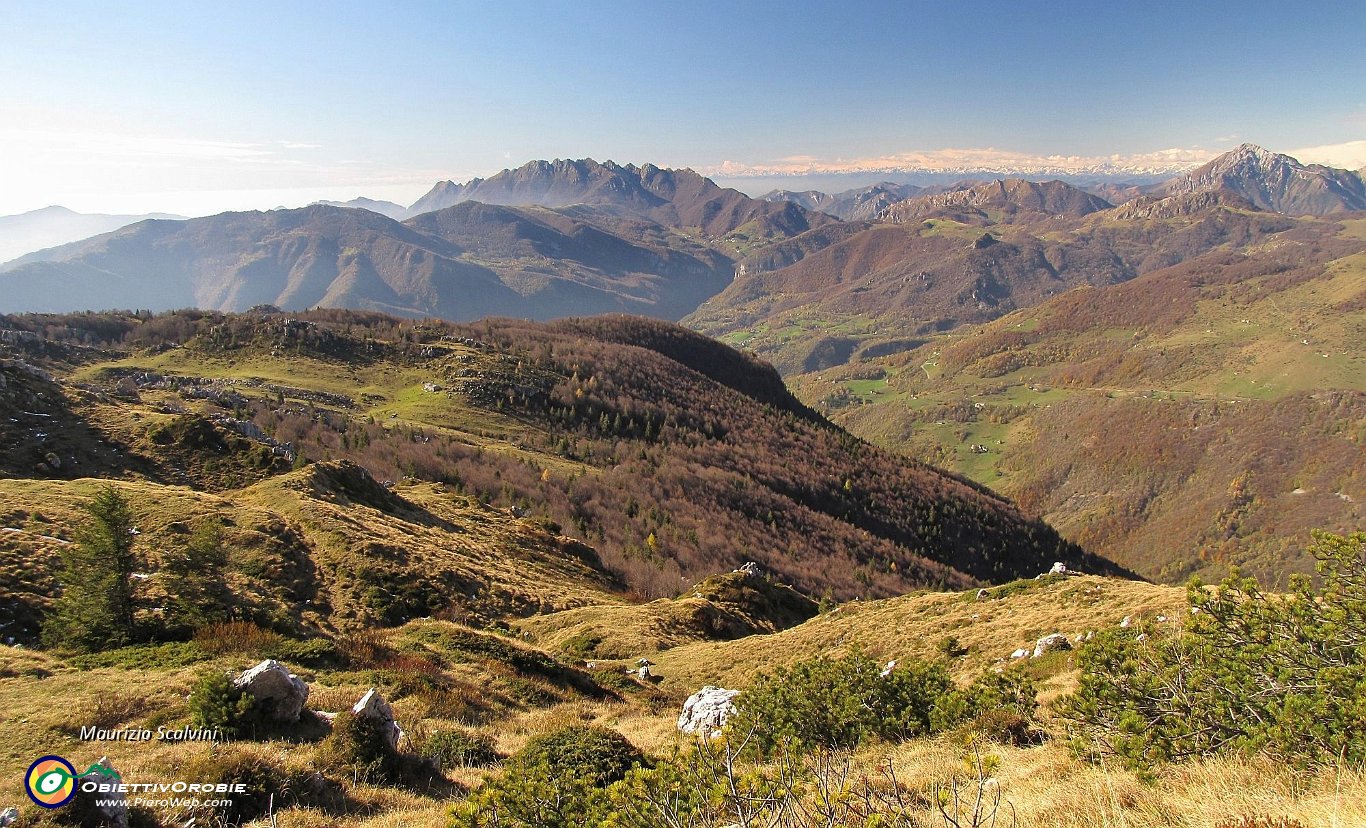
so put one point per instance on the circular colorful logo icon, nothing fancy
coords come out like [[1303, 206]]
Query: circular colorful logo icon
[[51, 781]]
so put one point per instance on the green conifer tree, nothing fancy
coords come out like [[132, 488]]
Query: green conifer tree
[[95, 609], [197, 593]]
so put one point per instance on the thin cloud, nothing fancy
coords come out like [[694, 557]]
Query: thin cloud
[[108, 144], [107, 171], [985, 159], [1349, 155]]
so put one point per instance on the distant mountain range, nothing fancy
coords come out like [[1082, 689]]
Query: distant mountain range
[[859, 204], [564, 237], [1035, 299], [51, 226], [385, 208], [1010, 196], [672, 198], [975, 252], [1173, 381], [640, 240]]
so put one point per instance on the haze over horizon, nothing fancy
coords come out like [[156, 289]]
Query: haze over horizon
[[194, 110]]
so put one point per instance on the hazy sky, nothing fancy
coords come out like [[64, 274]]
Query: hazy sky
[[197, 107]]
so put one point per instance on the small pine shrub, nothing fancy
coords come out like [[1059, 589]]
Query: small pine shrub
[[841, 703], [1250, 672], [459, 749], [1013, 690], [216, 703], [172, 655], [616, 681], [558, 780], [358, 745], [950, 647], [597, 754], [582, 645], [310, 652]]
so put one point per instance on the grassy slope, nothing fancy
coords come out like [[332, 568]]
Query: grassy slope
[[512, 692], [728, 606], [308, 556], [1183, 422], [912, 626], [850, 517]]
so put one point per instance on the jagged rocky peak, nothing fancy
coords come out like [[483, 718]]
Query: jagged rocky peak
[[1260, 155], [1272, 181]]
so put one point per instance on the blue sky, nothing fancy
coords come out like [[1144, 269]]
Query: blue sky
[[196, 107]]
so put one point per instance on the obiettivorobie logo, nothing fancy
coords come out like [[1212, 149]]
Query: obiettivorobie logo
[[52, 782]]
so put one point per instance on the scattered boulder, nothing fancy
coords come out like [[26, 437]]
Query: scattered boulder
[[282, 693], [8, 817], [1051, 643], [707, 711], [1059, 568], [750, 569], [887, 670], [983, 594], [1020, 653], [1127, 622], [373, 706]]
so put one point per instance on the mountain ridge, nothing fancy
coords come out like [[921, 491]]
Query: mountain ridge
[[607, 238], [55, 225], [1272, 181], [674, 198], [671, 455]]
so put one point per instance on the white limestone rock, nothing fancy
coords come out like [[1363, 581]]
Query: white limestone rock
[[1051, 643], [373, 706], [283, 693], [707, 711]]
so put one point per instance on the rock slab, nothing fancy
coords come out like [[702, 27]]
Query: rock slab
[[283, 693], [707, 711], [373, 706]]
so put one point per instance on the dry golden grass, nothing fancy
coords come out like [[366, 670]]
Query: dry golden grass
[[912, 626], [508, 565], [42, 695], [1047, 788]]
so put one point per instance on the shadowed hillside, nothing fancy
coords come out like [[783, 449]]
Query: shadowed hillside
[[670, 455]]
